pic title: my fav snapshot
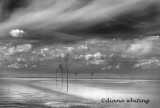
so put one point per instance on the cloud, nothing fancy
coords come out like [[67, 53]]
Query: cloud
[[82, 47], [142, 47], [148, 64], [108, 53], [109, 49], [17, 33], [10, 50], [17, 66], [88, 56], [95, 62], [69, 49], [96, 59], [23, 48]]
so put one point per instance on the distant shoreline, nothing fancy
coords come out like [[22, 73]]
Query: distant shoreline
[[80, 78]]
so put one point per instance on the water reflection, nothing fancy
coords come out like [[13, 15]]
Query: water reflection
[[113, 89], [18, 94], [98, 89], [39, 93], [15, 96]]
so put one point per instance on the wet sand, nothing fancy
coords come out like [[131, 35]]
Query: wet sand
[[17, 93], [86, 93]]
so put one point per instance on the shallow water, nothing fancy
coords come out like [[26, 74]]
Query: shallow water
[[13, 95], [97, 89], [20, 94], [39, 93]]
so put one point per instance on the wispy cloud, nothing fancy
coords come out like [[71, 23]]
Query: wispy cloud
[[148, 63], [46, 19]]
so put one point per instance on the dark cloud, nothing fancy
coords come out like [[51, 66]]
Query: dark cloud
[[131, 24], [8, 7], [63, 21]]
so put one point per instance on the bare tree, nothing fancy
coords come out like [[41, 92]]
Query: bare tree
[[66, 59], [91, 75], [56, 75], [121, 76], [107, 75], [75, 77]]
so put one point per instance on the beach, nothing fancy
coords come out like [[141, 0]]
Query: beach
[[82, 93]]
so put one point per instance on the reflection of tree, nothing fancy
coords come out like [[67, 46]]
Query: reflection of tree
[[107, 75], [56, 75], [75, 77], [61, 68], [66, 59], [121, 76]]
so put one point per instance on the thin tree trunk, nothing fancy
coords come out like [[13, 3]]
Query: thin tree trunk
[[91, 75], [56, 78], [62, 77], [75, 78], [67, 76]]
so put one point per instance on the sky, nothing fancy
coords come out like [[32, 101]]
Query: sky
[[97, 35]]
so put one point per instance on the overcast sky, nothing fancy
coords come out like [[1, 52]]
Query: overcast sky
[[97, 35]]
